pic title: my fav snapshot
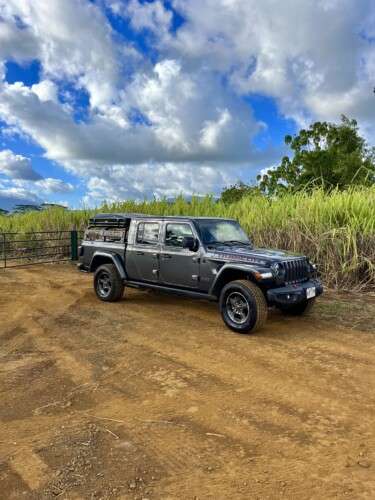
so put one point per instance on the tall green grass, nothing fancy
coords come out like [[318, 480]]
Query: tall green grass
[[336, 230]]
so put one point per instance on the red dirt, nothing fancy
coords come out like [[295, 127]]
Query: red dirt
[[153, 398]]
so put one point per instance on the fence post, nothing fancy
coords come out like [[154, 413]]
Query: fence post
[[4, 250], [74, 244]]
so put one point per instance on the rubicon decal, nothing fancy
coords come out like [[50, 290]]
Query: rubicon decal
[[231, 257]]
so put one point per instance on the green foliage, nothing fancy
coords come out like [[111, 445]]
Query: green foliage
[[335, 229], [325, 155], [237, 191]]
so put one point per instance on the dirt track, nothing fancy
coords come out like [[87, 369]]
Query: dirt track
[[153, 398]]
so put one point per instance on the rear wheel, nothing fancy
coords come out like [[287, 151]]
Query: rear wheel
[[299, 309], [108, 284], [243, 306]]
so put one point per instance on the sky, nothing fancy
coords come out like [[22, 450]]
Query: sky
[[135, 99]]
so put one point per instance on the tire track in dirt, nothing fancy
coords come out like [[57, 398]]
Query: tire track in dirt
[[160, 347], [260, 366], [27, 320], [31, 468], [218, 415]]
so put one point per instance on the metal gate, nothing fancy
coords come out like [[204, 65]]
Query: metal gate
[[39, 247]]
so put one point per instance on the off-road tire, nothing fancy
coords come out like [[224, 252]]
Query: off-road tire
[[116, 286], [257, 306], [303, 307]]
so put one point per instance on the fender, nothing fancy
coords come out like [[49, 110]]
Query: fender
[[114, 258], [258, 273]]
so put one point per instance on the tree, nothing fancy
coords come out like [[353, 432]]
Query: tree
[[326, 155], [3, 211], [46, 206], [20, 209], [237, 191]]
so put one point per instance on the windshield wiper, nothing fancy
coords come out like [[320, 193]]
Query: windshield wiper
[[237, 242], [229, 243], [214, 243]]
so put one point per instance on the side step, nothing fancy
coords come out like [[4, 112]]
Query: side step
[[168, 289]]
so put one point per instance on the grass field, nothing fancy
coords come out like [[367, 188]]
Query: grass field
[[336, 230]]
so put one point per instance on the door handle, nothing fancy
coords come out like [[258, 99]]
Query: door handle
[[166, 256], [139, 253]]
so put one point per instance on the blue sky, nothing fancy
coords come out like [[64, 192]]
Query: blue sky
[[114, 99]]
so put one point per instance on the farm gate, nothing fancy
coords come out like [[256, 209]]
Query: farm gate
[[38, 247]]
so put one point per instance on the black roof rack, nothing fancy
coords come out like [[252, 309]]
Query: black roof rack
[[110, 220], [123, 220]]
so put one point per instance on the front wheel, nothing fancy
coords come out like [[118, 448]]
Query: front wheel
[[299, 309], [243, 306], [108, 284]]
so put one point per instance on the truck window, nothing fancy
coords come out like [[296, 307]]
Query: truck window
[[148, 233], [175, 233]]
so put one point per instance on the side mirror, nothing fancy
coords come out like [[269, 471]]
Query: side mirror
[[190, 243]]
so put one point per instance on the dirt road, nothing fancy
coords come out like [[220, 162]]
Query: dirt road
[[153, 398]]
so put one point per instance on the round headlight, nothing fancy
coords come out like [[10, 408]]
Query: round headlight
[[313, 270]]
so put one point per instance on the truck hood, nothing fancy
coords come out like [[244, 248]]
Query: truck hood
[[259, 256]]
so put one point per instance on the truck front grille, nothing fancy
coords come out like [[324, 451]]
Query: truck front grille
[[296, 270]]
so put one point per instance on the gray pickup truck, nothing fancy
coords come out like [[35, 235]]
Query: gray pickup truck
[[201, 257]]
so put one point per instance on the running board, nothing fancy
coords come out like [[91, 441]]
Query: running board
[[168, 289]]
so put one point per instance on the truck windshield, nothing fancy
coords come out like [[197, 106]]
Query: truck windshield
[[226, 232]]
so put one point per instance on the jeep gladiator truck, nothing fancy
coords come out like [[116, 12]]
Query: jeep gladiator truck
[[201, 257]]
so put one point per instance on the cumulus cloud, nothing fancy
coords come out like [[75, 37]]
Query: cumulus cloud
[[17, 166], [150, 15], [14, 192], [46, 90], [72, 40], [314, 57], [50, 185], [13, 195], [148, 180], [188, 119], [16, 43], [180, 121], [22, 184]]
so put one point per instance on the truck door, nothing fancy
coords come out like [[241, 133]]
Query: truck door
[[178, 266], [142, 255]]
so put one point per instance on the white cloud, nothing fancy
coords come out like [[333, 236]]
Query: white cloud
[[149, 15], [149, 180], [72, 39], [17, 166], [182, 112], [22, 184], [11, 196], [50, 185], [212, 130], [313, 57], [45, 90], [182, 123], [16, 43]]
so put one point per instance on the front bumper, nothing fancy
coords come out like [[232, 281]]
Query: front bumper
[[293, 294]]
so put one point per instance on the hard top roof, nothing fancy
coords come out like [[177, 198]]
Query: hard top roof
[[127, 216]]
